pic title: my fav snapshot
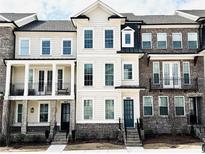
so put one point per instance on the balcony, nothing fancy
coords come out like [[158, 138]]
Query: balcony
[[174, 83], [40, 89]]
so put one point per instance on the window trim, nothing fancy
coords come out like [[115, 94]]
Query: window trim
[[159, 102], [197, 40], [175, 107], [88, 98], [123, 77], [84, 29], [16, 119], [29, 51], [41, 45], [105, 74], [109, 28], [152, 107], [84, 74], [188, 72], [156, 62], [109, 98], [125, 31], [71, 50], [165, 40], [39, 107], [142, 41], [180, 40]]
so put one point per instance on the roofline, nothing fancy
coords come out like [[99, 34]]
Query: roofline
[[21, 59], [34, 14], [172, 24], [5, 18], [44, 31]]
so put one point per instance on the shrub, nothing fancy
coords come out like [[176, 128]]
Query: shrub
[[2, 140]]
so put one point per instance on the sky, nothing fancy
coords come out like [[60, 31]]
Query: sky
[[64, 9]]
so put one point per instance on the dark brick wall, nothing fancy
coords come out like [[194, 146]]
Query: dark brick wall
[[169, 32], [1, 108], [162, 124], [96, 131]]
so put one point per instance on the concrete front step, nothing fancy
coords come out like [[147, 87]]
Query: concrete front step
[[58, 143]]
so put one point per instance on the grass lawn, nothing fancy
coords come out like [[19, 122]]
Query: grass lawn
[[94, 146], [24, 148], [167, 141]]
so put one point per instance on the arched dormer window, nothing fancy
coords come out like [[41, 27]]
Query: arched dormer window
[[128, 37]]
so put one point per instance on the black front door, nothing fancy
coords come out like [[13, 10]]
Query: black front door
[[128, 113], [65, 116], [193, 110]]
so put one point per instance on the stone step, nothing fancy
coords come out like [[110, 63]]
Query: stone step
[[57, 143], [133, 140]]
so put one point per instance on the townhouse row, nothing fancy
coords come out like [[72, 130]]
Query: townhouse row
[[100, 70]]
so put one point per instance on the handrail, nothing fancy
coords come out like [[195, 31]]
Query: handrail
[[139, 129]]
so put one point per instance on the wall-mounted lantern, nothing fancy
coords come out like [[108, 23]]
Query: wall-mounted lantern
[[32, 110]]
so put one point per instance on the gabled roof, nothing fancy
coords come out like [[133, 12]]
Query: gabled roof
[[15, 16], [158, 19], [198, 13], [49, 26]]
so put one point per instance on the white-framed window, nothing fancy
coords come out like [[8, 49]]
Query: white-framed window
[[109, 74], [148, 105], [31, 79], [19, 113], [146, 40], [186, 72], [109, 38], [128, 37], [88, 109], [156, 73], [88, 38], [163, 105], [24, 46], [128, 74], [88, 74], [162, 40], [66, 47], [179, 103], [192, 40], [44, 108], [109, 109], [45, 47], [177, 40]]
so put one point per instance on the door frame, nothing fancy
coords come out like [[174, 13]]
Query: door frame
[[129, 99], [63, 102]]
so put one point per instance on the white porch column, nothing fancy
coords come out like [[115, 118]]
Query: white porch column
[[72, 80], [26, 79], [8, 79], [54, 80], [24, 117]]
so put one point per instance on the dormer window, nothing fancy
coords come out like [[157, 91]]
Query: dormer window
[[128, 37]]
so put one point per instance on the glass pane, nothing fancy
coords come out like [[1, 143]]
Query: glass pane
[[147, 110], [164, 101], [192, 44], [127, 71], [88, 74], [46, 47], [166, 74], [175, 74], [177, 44], [179, 110], [88, 109], [127, 39], [24, 47], [146, 44], [43, 112], [109, 74], [109, 109], [108, 38], [66, 47], [147, 101], [163, 110], [162, 44], [88, 39]]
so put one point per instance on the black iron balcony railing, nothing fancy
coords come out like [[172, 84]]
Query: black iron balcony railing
[[174, 83], [40, 89]]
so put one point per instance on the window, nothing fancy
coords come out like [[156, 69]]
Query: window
[[163, 105], [88, 39], [146, 40], [49, 80], [177, 40], [127, 71], [109, 74], [88, 109], [19, 113], [186, 72], [88, 74], [147, 103], [179, 105], [162, 40], [156, 72], [41, 81], [30, 85], [24, 47], [46, 47], [60, 79], [127, 38], [108, 38], [66, 47], [109, 109], [43, 112], [192, 40]]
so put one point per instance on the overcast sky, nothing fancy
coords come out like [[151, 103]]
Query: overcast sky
[[63, 9]]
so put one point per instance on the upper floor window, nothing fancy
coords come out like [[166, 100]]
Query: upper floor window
[[109, 38], [162, 40], [88, 74], [109, 74], [186, 72], [46, 47], [127, 71], [24, 47], [192, 40], [146, 40], [128, 37], [177, 40], [156, 72], [88, 39], [66, 47]]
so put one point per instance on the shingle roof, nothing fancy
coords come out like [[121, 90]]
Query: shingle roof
[[1, 19], [15, 16], [159, 19], [198, 13], [50, 25]]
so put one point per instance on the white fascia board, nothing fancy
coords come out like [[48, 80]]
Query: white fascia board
[[20, 22], [186, 15], [5, 18]]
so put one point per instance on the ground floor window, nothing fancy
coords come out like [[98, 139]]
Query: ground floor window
[[163, 105], [109, 109], [43, 112], [148, 105], [88, 109], [19, 112], [179, 105]]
